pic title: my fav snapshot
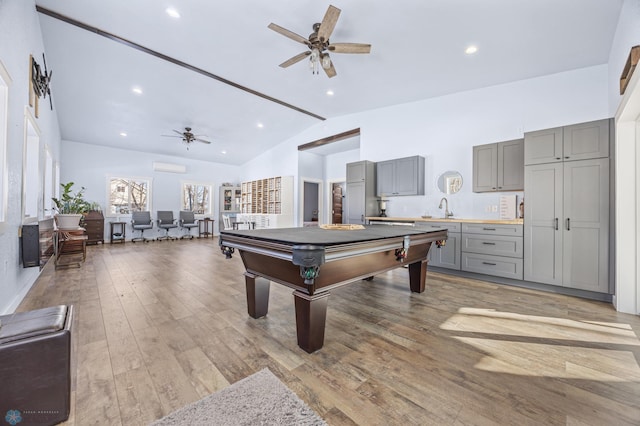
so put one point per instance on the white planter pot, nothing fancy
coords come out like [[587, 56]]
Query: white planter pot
[[68, 221]]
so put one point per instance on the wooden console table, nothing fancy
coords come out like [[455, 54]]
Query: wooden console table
[[70, 246]]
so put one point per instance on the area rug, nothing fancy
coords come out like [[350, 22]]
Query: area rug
[[260, 399]]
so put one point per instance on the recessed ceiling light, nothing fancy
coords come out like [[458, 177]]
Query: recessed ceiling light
[[260, 125], [123, 134], [137, 90], [224, 152], [471, 50], [172, 12], [329, 92]]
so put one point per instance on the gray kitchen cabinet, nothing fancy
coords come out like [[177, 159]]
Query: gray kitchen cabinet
[[492, 249], [360, 199], [567, 224], [570, 143], [586, 225], [447, 256], [499, 166], [402, 176], [543, 213]]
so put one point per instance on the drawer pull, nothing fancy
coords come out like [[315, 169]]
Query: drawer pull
[[489, 263], [488, 229], [489, 244]]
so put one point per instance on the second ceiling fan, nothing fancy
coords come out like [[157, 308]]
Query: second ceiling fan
[[188, 137], [319, 45]]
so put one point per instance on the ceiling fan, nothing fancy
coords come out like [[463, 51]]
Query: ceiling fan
[[188, 137], [319, 45]]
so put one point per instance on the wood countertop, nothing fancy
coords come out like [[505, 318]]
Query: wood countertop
[[440, 219]]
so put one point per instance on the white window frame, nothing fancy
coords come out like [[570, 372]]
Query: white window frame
[[5, 82], [147, 180], [31, 179], [49, 182], [209, 185]]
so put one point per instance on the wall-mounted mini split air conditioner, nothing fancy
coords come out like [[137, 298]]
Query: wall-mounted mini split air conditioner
[[169, 167]]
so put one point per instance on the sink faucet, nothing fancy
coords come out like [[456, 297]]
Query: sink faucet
[[447, 213]]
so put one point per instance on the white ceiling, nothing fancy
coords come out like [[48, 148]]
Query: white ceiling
[[417, 53]]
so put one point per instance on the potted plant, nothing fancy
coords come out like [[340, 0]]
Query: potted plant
[[70, 206]]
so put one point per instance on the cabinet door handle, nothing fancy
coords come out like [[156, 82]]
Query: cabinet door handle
[[566, 157], [568, 224], [489, 263], [488, 229], [489, 244], [556, 223], [558, 158]]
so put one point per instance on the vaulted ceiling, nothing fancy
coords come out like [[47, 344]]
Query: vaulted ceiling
[[215, 68]]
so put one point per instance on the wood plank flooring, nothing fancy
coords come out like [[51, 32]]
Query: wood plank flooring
[[163, 324]]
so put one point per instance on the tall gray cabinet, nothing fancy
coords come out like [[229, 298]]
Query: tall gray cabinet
[[566, 221], [360, 199]]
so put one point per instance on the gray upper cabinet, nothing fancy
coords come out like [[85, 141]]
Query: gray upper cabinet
[[586, 140], [357, 172], [499, 166], [360, 199], [576, 142], [543, 146], [402, 176]]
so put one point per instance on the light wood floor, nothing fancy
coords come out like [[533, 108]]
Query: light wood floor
[[163, 324]]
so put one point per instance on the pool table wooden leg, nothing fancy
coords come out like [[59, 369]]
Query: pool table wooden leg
[[311, 315], [418, 276], [257, 295]]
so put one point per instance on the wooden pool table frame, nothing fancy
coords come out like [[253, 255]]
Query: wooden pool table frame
[[312, 270]]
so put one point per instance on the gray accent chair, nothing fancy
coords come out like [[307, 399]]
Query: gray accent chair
[[139, 222], [166, 222], [187, 221]]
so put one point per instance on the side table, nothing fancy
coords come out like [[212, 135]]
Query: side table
[[205, 228], [117, 232]]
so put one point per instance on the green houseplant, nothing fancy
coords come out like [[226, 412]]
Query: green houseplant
[[70, 206]]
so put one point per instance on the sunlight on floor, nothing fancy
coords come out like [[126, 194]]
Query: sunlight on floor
[[548, 347]]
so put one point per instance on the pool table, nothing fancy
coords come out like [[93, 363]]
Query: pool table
[[312, 261]]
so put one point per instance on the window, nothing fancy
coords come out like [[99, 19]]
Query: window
[[128, 195], [5, 80], [49, 179], [196, 197], [31, 188]]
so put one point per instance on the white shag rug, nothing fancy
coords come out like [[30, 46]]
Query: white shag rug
[[260, 399]]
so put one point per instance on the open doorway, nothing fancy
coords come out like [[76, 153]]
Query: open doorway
[[311, 204]]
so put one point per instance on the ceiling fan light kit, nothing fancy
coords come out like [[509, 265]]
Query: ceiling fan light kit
[[319, 44], [188, 137]]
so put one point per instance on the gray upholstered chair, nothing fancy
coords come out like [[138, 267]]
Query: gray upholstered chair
[[166, 222], [139, 222], [187, 221]]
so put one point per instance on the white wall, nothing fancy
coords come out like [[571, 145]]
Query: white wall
[[627, 35], [445, 129], [20, 36], [89, 165]]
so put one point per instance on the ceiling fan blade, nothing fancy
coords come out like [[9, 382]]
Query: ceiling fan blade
[[349, 48], [202, 140], [297, 58], [172, 136], [285, 32], [178, 132], [328, 23], [331, 71]]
